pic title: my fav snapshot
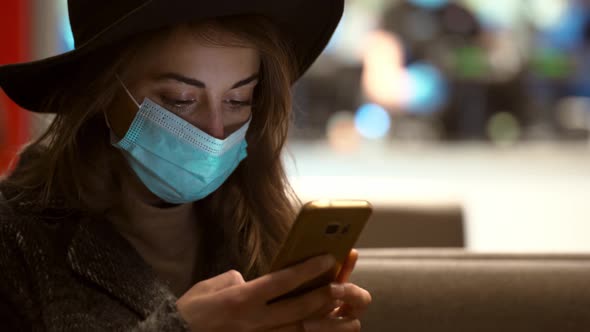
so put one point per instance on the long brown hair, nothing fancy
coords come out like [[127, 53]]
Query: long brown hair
[[245, 220]]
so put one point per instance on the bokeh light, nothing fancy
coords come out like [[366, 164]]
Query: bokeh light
[[568, 32], [503, 129], [496, 14], [342, 133], [384, 78], [357, 22], [372, 121], [546, 14], [428, 88], [551, 63], [505, 58], [470, 62], [65, 32], [429, 4]]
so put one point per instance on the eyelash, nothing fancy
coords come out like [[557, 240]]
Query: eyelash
[[238, 104], [180, 105]]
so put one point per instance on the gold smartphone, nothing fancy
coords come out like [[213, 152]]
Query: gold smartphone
[[322, 227]]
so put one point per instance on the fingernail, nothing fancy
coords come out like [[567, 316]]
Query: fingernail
[[337, 304], [310, 325], [337, 290]]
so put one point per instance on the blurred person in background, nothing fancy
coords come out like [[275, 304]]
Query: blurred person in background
[[156, 199], [449, 39]]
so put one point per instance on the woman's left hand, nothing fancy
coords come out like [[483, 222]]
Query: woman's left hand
[[353, 302]]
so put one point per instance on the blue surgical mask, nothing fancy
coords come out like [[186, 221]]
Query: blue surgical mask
[[174, 159]]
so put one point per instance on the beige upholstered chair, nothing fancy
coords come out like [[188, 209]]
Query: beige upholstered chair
[[458, 291], [403, 225]]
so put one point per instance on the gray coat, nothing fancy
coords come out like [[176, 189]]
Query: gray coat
[[62, 271]]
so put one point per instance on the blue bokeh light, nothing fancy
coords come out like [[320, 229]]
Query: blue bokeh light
[[337, 37], [65, 32], [429, 88], [372, 121], [568, 33], [429, 4]]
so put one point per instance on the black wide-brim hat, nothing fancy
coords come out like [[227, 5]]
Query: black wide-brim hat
[[307, 26]]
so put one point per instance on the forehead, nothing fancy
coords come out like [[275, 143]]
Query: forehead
[[205, 54]]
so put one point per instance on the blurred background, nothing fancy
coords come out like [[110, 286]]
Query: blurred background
[[420, 105]]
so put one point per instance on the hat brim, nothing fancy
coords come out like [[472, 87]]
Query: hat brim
[[306, 24]]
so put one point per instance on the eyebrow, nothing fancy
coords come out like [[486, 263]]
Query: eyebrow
[[199, 84]]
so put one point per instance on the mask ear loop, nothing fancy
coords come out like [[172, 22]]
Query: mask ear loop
[[106, 118], [127, 90]]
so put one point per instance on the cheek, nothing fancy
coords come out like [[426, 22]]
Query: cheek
[[235, 120], [246, 114]]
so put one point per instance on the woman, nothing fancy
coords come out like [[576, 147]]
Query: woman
[[156, 199]]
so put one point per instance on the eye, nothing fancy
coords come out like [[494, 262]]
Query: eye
[[238, 104], [178, 105]]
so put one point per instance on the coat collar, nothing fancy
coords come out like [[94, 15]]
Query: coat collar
[[95, 250], [99, 254]]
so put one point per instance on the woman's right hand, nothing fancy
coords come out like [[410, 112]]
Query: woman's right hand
[[228, 303]]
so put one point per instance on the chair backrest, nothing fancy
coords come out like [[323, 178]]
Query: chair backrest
[[404, 225], [440, 290]]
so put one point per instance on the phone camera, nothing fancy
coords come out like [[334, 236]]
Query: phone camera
[[345, 229], [332, 229]]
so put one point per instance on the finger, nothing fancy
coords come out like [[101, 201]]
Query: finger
[[304, 306], [281, 282], [356, 301], [329, 309], [348, 266], [222, 281], [332, 325]]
